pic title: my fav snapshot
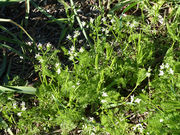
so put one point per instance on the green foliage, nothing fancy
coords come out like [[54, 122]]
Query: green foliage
[[114, 85]]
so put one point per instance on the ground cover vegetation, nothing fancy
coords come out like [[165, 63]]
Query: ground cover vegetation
[[90, 67]]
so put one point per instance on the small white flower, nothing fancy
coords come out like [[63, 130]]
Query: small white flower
[[77, 83], [171, 71], [57, 64], [91, 20], [69, 37], [167, 65], [84, 126], [23, 103], [103, 19], [58, 71], [161, 20], [103, 101], [81, 50], [104, 94], [37, 55], [14, 105], [148, 74], [143, 91], [161, 120], [75, 54], [21, 57], [73, 86], [162, 66], [79, 10], [107, 31], [139, 127], [69, 52], [71, 57], [48, 11], [103, 29], [19, 114], [80, 41], [72, 48], [41, 60], [91, 119], [23, 108], [132, 98], [149, 69], [29, 43], [112, 20], [137, 100], [39, 46], [161, 73], [76, 34], [48, 45], [83, 23], [134, 24]]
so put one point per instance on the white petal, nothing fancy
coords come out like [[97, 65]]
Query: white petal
[[137, 100]]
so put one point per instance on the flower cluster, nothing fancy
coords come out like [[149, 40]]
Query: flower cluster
[[148, 74], [48, 46], [138, 127], [23, 107], [105, 30], [39, 46], [136, 101], [165, 68], [76, 34], [44, 47], [39, 57], [133, 24], [58, 68], [104, 94], [72, 53]]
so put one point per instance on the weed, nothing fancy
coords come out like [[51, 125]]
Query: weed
[[124, 79]]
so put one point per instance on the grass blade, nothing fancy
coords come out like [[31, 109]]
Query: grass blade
[[120, 6], [13, 50], [6, 77], [3, 65], [10, 1], [14, 39], [11, 21], [66, 6], [18, 89]]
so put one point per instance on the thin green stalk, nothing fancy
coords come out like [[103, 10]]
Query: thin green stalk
[[131, 92], [79, 22], [11, 21], [27, 6]]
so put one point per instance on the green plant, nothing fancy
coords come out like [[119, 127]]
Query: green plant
[[125, 81]]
